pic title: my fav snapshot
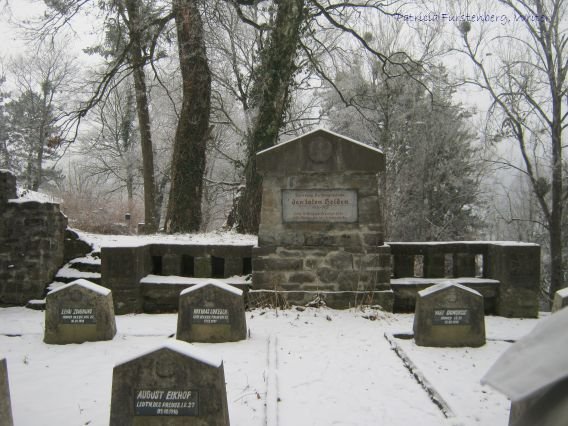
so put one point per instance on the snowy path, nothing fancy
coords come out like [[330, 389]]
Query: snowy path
[[316, 367]]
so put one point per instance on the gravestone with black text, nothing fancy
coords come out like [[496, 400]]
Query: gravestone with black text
[[321, 233], [560, 299], [212, 312], [449, 314], [79, 312], [175, 384], [6, 418]]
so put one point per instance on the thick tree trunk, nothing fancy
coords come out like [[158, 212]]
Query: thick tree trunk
[[555, 230], [137, 61], [188, 163], [270, 99]]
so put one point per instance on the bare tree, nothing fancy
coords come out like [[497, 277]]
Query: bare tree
[[37, 107], [113, 152], [524, 71]]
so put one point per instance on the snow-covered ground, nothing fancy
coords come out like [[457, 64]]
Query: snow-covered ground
[[310, 367]]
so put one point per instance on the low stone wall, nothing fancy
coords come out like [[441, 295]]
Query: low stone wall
[[515, 266], [31, 244], [124, 267]]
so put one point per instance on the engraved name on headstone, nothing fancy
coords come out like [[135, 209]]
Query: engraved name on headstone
[[78, 316], [451, 317], [166, 402], [210, 316]]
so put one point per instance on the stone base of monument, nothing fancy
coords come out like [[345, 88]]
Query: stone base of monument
[[79, 312], [560, 299], [6, 418], [331, 299]]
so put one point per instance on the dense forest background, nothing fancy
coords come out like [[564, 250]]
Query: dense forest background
[[152, 111]]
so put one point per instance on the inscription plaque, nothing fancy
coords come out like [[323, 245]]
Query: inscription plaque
[[162, 402], [78, 316], [451, 317], [210, 316], [319, 205]]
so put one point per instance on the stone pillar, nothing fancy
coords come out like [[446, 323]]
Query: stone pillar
[[517, 267], [7, 186], [560, 299], [122, 268], [434, 263], [202, 267], [233, 266], [171, 264], [464, 265]]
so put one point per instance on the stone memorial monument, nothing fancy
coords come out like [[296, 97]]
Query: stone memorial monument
[[321, 227], [6, 418], [213, 312], [560, 299], [449, 314], [173, 385], [79, 312]]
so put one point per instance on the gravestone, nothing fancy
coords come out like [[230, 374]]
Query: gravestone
[[173, 385], [212, 312], [560, 299], [449, 314], [79, 312], [321, 226], [533, 374], [6, 418]]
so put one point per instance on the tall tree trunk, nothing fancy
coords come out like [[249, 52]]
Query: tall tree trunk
[[137, 61], [555, 230], [270, 99], [188, 163]]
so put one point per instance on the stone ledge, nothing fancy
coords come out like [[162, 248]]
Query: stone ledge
[[332, 299], [405, 290]]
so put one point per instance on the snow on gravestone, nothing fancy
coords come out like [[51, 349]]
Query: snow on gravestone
[[560, 299], [449, 314], [79, 312], [5, 405], [539, 396], [175, 384], [212, 312]]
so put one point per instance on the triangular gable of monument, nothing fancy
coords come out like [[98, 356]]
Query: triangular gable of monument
[[320, 151]]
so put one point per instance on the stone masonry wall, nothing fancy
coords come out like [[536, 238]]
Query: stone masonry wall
[[31, 244]]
